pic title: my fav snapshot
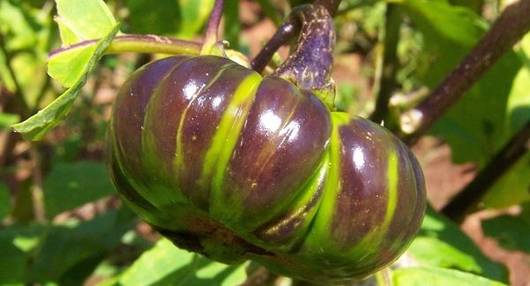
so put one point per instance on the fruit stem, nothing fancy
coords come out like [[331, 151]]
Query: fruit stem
[[286, 32], [212, 29], [139, 44], [510, 27], [309, 66], [469, 198]]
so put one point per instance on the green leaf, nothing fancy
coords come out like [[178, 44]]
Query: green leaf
[[513, 187], [16, 246], [421, 276], [41, 254], [68, 37], [146, 18], [27, 33], [475, 127], [166, 264], [232, 23], [86, 20], [458, 25], [5, 204], [441, 243], [66, 247], [181, 18], [37, 125], [14, 19], [70, 185], [68, 66], [194, 15], [7, 119], [512, 232]]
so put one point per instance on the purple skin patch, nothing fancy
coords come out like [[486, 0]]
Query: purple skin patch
[[235, 166]]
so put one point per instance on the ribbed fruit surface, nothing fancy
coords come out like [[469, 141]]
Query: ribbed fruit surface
[[234, 165]]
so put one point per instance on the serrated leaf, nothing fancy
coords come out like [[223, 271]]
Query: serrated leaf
[[5, 202], [166, 264], [37, 125], [441, 243], [421, 276], [512, 232], [70, 185], [87, 19]]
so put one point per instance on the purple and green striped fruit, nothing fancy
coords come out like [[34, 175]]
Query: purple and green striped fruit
[[237, 166]]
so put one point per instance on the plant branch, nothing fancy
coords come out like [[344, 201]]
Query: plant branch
[[470, 197], [509, 28], [388, 66], [140, 44]]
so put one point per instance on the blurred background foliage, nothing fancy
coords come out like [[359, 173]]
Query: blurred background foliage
[[61, 221]]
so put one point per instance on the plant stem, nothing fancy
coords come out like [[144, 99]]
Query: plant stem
[[470, 197], [37, 196], [509, 28], [212, 28], [388, 66], [140, 44]]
